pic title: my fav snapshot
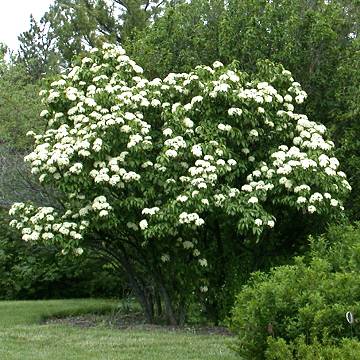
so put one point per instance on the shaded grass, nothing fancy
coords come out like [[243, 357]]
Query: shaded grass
[[29, 312], [22, 337]]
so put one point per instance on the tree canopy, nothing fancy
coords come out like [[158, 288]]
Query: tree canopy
[[159, 173]]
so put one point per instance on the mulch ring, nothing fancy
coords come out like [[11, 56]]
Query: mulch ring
[[133, 321]]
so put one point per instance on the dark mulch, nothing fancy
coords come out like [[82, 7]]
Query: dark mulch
[[133, 321]]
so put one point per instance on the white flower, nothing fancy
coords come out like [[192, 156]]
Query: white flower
[[103, 213], [203, 262], [155, 102], [315, 197], [97, 145], [188, 245], [196, 99], [165, 258], [258, 222], [188, 123], [220, 88], [125, 129], [196, 150], [167, 132], [79, 251], [288, 98], [199, 222], [171, 153], [196, 252], [76, 168], [233, 192], [137, 69], [311, 209], [301, 200], [143, 224], [271, 223], [182, 198], [247, 187], [217, 64], [234, 111], [254, 133], [334, 202], [204, 289], [253, 200]]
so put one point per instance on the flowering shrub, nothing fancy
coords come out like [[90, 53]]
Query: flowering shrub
[[148, 167]]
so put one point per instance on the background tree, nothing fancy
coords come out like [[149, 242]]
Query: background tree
[[80, 24], [19, 106], [346, 115], [38, 53], [185, 36], [70, 27]]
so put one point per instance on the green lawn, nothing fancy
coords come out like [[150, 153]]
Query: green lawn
[[22, 337]]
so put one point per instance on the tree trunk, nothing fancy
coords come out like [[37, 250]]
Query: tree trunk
[[169, 311]]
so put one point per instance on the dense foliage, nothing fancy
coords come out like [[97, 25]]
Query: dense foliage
[[189, 175], [152, 175], [42, 272], [316, 40], [19, 107], [297, 309], [347, 349]]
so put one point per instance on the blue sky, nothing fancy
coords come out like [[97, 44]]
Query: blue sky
[[14, 18]]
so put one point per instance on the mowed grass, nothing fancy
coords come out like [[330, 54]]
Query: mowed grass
[[23, 337]]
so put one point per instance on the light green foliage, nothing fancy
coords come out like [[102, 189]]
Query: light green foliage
[[22, 337], [348, 349], [306, 301], [19, 107]]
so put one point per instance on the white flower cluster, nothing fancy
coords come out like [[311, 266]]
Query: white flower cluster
[[44, 223], [185, 218], [101, 205], [150, 211], [122, 135]]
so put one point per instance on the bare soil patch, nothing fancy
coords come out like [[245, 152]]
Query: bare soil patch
[[133, 321]]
